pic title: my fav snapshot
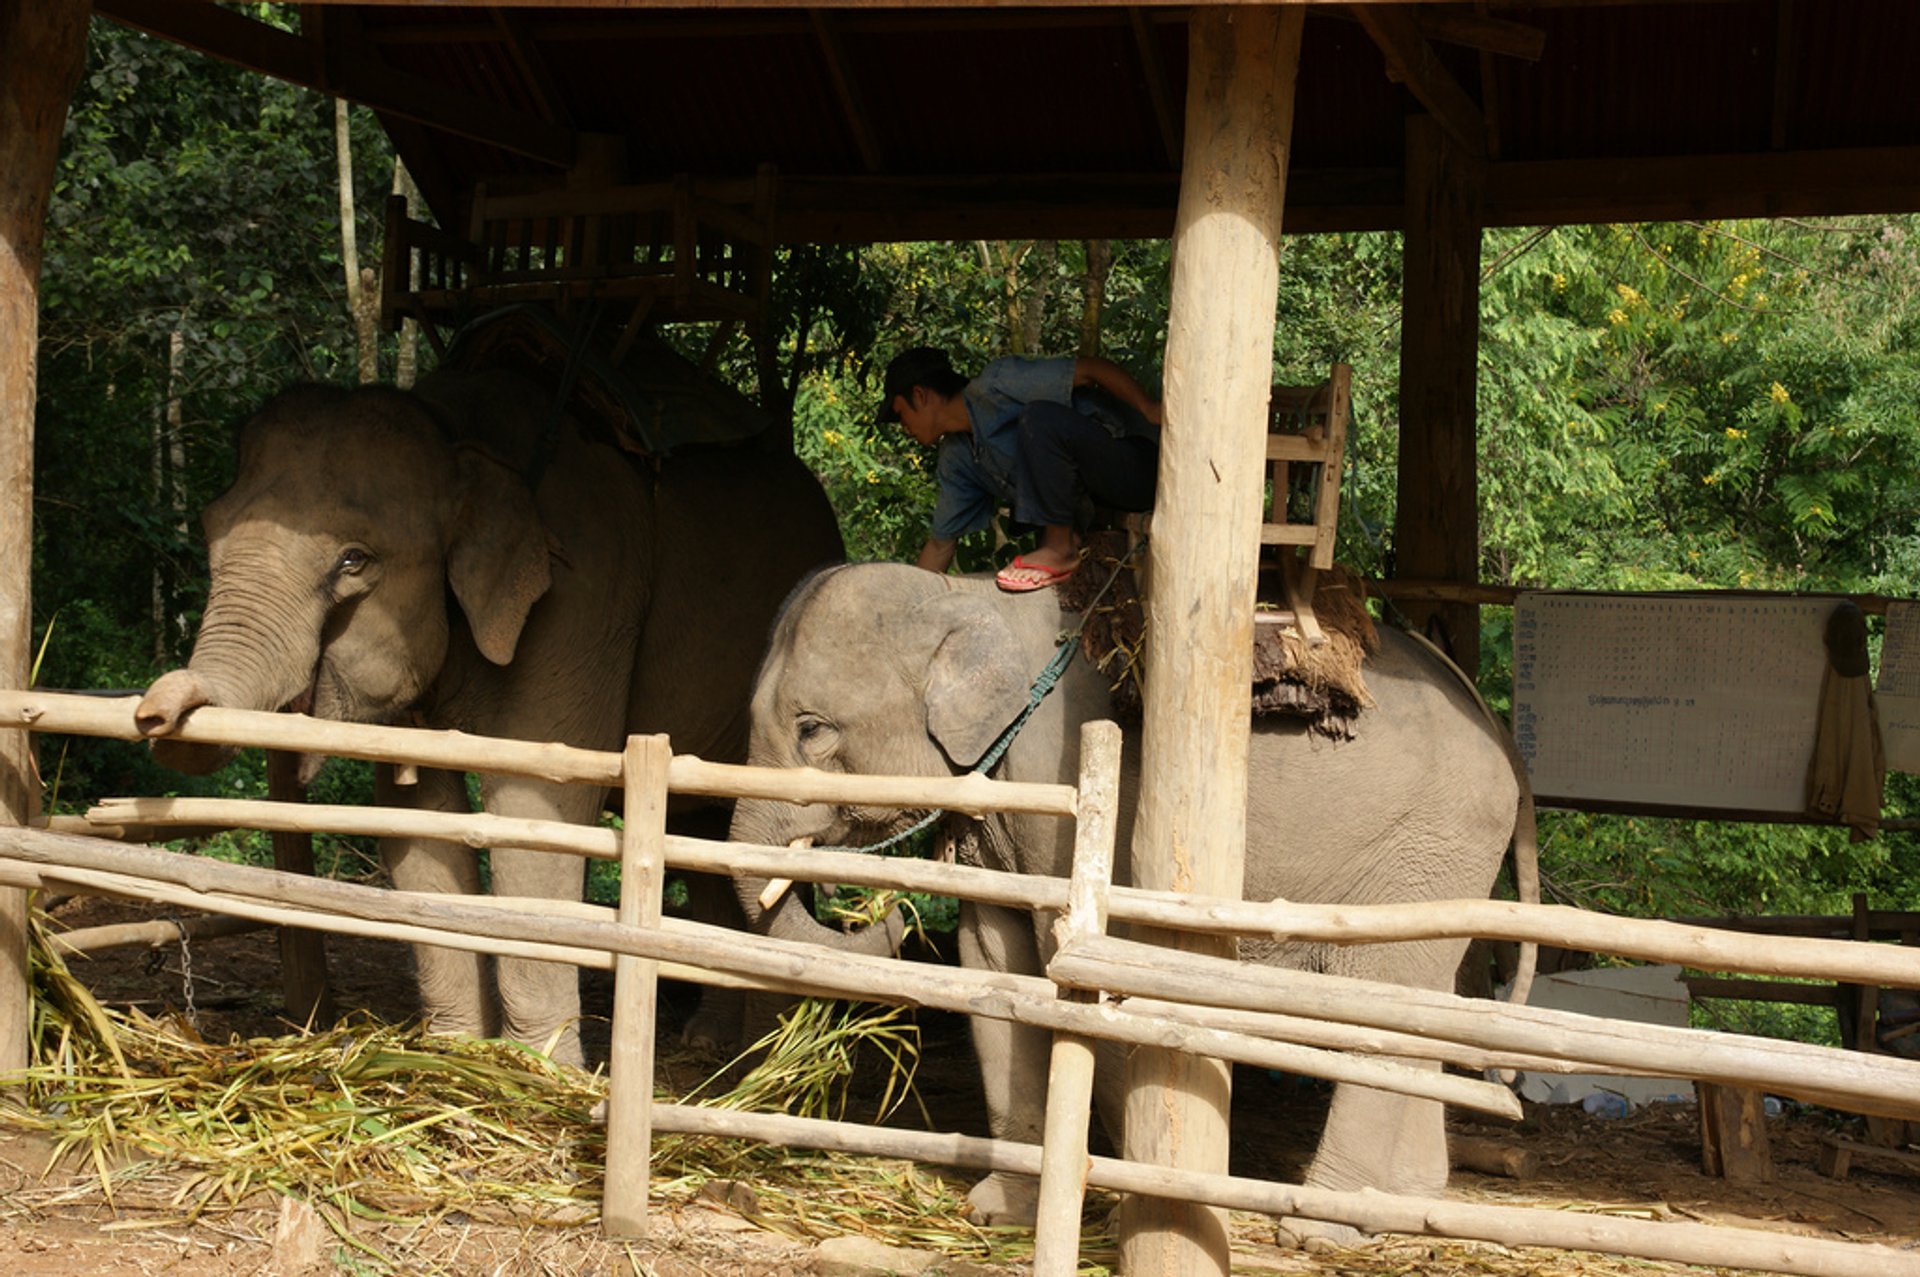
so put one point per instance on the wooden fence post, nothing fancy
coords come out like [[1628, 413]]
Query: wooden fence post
[[42, 49], [1064, 1161], [1190, 832], [643, 844]]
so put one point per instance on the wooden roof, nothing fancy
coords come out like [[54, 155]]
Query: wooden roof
[[977, 120]]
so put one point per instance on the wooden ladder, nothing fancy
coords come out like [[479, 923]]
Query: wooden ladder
[[1306, 427]]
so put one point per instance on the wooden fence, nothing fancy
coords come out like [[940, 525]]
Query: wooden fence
[[1097, 987]]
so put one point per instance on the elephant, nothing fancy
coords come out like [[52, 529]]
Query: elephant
[[466, 556], [888, 668]]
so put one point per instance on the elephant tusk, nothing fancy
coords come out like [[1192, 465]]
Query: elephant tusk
[[778, 887]]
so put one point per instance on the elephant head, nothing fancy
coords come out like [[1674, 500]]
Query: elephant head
[[883, 670], [351, 517]]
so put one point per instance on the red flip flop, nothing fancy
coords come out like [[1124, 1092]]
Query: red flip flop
[[1018, 585]]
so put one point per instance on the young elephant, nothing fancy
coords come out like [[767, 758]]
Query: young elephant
[[888, 668], [462, 556]]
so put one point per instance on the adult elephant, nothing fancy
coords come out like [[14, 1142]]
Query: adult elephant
[[887, 668], [464, 557]]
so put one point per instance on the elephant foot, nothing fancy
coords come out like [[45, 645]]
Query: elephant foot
[[1002, 1198], [716, 1027], [1315, 1236]]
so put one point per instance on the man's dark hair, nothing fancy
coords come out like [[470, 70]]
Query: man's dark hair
[[921, 366]]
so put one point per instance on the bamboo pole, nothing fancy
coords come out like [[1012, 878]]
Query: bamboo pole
[[1030, 1000], [698, 953], [157, 934], [1698, 945], [1848, 1080], [457, 751], [1709, 1245], [1202, 562], [42, 49], [623, 1212], [1063, 1170]]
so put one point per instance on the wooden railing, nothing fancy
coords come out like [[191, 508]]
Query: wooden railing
[[1096, 988]]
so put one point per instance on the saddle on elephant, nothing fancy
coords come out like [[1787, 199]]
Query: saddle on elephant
[[1321, 683]]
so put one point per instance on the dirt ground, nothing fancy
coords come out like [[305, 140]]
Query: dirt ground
[[54, 1222]]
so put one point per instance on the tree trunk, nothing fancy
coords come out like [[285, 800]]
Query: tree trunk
[[1093, 295], [1033, 307], [366, 338]]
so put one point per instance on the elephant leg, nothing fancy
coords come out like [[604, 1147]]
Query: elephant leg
[[455, 985], [540, 1001], [1376, 1139], [721, 1023], [1013, 1061]]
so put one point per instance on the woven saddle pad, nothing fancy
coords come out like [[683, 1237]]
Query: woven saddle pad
[[1323, 685]]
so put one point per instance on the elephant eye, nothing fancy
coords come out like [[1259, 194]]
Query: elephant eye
[[814, 732], [352, 561]]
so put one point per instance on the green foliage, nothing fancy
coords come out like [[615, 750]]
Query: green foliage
[[1664, 406]]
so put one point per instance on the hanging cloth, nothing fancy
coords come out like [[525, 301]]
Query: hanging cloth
[[1849, 764]]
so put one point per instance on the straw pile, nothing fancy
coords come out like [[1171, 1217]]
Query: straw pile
[[379, 1124]]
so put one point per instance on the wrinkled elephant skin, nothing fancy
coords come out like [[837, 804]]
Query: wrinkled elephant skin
[[889, 669], [462, 557]]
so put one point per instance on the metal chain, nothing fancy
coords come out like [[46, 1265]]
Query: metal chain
[[186, 973]]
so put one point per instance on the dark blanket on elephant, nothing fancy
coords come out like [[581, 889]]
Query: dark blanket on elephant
[[1323, 685], [652, 402]]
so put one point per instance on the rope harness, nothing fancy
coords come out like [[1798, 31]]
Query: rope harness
[[1043, 683]]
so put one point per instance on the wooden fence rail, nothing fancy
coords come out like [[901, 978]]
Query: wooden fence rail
[[639, 946]]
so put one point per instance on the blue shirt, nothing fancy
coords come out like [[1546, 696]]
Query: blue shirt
[[975, 471]]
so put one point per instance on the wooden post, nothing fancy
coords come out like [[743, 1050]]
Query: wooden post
[[303, 953], [42, 48], [1733, 1132], [1437, 528], [643, 845], [1064, 1162], [1190, 833]]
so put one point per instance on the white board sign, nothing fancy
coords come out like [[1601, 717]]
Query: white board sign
[[1897, 693], [1669, 700]]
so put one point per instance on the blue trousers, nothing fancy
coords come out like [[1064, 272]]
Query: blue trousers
[[1065, 455]]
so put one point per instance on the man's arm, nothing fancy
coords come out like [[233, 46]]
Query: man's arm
[[937, 554], [1091, 370]]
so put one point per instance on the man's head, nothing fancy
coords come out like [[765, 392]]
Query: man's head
[[915, 379]]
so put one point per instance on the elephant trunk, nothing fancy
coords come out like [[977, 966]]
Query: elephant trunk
[[786, 914], [256, 649]]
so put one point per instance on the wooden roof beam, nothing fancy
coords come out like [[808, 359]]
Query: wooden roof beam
[[517, 35], [1155, 72], [826, 30], [1500, 36], [233, 37], [1411, 60]]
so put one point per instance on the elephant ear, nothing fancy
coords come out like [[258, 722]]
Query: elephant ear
[[976, 680], [498, 563]]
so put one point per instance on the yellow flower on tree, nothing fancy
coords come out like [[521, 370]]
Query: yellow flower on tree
[[1779, 394], [1616, 317]]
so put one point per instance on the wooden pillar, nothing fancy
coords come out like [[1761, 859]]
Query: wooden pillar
[[43, 44], [1437, 528], [1190, 832]]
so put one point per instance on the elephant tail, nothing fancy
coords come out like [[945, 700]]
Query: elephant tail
[[1526, 836], [1526, 877]]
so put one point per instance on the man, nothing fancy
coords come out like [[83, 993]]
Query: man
[[1036, 434]]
